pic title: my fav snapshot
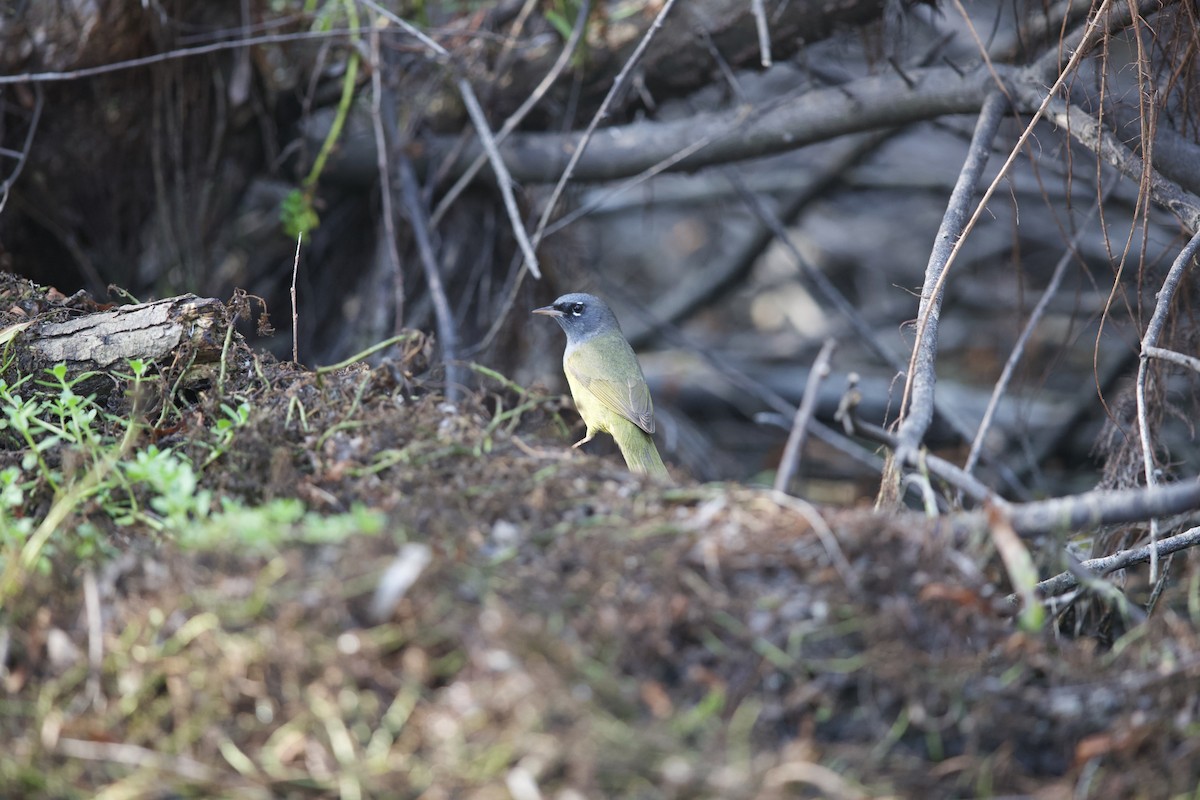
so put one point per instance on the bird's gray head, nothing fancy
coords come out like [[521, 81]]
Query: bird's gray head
[[581, 315]]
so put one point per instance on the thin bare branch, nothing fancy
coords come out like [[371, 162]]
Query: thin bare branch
[[447, 333], [703, 284], [579, 148], [503, 179], [923, 461], [23, 156], [1018, 350], [179, 53], [383, 164], [1107, 19], [1105, 565], [637, 180], [1085, 129], [789, 464], [295, 309], [1153, 331], [917, 404], [828, 539], [1178, 359], [844, 444], [1173, 155], [510, 124], [829, 293], [602, 112], [917, 408], [764, 32], [833, 437], [136, 756], [94, 614], [430, 44], [783, 410]]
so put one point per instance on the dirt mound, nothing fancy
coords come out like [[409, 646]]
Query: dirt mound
[[498, 616]]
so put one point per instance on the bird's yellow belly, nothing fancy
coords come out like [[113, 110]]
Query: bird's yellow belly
[[591, 409]]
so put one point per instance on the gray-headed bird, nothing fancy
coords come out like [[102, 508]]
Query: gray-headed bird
[[606, 379]]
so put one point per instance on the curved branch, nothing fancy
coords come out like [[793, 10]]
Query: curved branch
[[1088, 131], [919, 391], [1153, 330], [819, 115], [867, 104]]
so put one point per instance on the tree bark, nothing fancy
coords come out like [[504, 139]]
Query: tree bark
[[177, 328]]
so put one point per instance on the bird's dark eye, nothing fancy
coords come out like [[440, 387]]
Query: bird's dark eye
[[577, 309]]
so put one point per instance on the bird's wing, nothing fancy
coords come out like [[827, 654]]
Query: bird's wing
[[628, 397]]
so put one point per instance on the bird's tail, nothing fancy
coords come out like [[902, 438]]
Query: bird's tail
[[641, 456]]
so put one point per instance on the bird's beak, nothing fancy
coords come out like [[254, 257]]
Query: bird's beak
[[549, 311]]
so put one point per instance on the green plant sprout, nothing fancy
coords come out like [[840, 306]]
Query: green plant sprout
[[153, 486], [298, 211]]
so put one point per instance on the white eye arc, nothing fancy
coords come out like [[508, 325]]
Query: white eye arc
[[577, 309]]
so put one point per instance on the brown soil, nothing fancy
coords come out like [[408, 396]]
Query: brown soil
[[576, 632]]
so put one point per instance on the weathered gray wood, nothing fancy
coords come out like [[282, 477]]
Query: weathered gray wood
[[147, 330], [164, 331]]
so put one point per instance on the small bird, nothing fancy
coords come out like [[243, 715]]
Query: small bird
[[606, 380]]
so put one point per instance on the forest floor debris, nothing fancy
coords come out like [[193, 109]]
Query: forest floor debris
[[495, 616]]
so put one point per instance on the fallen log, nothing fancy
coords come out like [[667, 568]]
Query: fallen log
[[183, 329]]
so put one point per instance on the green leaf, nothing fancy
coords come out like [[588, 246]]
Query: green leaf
[[297, 215]]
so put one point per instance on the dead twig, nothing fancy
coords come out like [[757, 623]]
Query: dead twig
[[1178, 359], [447, 332], [828, 539], [383, 164], [935, 465], [1089, 510], [602, 112], [1153, 331], [95, 631], [135, 756], [789, 464], [631, 183], [811, 273], [578, 150], [179, 53], [479, 120], [557, 454], [832, 437], [916, 407], [1109, 17], [1084, 128], [23, 156], [834, 297], [514, 119], [503, 179], [705, 283], [1065, 581], [764, 32], [295, 309], [1018, 350], [918, 403], [776, 126]]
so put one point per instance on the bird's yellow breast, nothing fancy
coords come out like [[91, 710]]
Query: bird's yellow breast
[[595, 414]]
